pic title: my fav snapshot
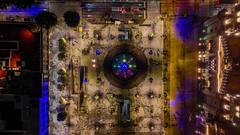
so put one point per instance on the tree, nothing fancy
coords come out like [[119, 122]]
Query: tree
[[62, 44], [46, 19], [71, 18]]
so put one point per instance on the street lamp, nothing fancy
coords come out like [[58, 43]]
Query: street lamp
[[93, 63]]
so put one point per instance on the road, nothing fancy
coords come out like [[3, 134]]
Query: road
[[182, 74]]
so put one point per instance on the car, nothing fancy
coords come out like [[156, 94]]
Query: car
[[125, 10]]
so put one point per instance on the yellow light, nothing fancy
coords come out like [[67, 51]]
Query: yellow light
[[237, 114], [93, 60], [228, 21], [237, 108], [238, 13], [207, 129], [219, 68], [238, 19], [80, 29], [227, 98], [226, 107], [237, 34], [228, 12], [226, 116]]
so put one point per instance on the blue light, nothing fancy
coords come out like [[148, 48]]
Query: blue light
[[34, 10], [124, 67], [98, 52], [44, 108], [183, 27]]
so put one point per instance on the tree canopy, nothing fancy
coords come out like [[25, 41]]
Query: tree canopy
[[72, 18], [46, 19]]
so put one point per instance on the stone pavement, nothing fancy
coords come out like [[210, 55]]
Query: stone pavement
[[104, 110]]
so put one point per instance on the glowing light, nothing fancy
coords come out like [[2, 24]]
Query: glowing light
[[237, 114], [238, 19], [228, 12], [93, 60], [238, 13], [228, 31], [226, 107], [34, 10], [237, 34], [207, 130], [124, 66], [27, 35], [237, 108], [226, 116], [228, 21], [172, 103], [219, 64], [44, 108], [199, 70], [227, 98]]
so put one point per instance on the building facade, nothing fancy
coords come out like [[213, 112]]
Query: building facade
[[219, 71]]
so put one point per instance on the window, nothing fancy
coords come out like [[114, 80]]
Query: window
[[227, 98], [237, 114], [226, 116], [237, 108], [226, 107]]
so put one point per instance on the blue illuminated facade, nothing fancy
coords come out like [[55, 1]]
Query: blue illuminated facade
[[44, 108], [34, 10]]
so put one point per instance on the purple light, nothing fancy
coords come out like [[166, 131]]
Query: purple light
[[172, 103]]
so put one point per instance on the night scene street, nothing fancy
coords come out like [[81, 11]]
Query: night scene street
[[119, 67]]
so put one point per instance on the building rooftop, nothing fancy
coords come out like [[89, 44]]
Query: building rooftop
[[232, 86]]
